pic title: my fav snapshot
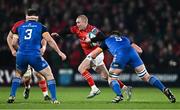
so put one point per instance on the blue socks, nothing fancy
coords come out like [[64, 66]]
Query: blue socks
[[52, 88], [154, 81], [116, 88], [15, 84]]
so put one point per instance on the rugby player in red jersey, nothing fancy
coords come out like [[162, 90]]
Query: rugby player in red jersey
[[82, 30]]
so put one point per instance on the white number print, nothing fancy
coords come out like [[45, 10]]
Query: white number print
[[118, 38], [28, 34]]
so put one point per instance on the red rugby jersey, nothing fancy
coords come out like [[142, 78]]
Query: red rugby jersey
[[81, 34]]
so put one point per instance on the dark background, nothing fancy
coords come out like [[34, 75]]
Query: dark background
[[153, 24]]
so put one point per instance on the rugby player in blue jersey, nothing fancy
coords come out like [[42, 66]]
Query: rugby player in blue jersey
[[26, 79], [123, 52], [28, 36]]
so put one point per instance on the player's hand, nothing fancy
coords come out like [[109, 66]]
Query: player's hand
[[13, 52], [54, 34], [140, 51], [88, 40], [137, 48], [63, 56], [42, 50]]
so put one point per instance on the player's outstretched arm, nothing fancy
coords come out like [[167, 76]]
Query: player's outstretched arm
[[98, 50], [53, 44], [100, 36], [9, 41], [62, 33], [137, 48], [90, 37]]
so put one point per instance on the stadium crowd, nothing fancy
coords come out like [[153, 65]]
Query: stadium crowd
[[153, 24]]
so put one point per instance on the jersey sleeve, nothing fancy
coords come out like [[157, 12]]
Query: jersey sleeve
[[13, 29], [103, 46], [16, 25], [99, 37], [44, 29], [95, 30], [130, 40]]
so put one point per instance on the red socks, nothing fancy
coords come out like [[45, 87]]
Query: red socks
[[87, 76], [43, 85]]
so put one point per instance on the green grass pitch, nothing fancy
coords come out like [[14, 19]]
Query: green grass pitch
[[75, 98]]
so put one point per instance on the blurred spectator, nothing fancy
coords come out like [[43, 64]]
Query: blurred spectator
[[153, 24]]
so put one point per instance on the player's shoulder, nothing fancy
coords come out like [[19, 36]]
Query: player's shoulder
[[108, 38], [37, 22], [73, 29], [40, 23], [44, 26], [41, 26], [93, 29], [18, 23], [125, 37]]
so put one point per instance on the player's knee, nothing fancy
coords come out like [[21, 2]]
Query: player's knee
[[104, 75], [110, 79], [47, 73], [141, 71], [50, 77], [113, 76], [143, 74], [81, 69], [39, 76], [146, 77], [18, 73]]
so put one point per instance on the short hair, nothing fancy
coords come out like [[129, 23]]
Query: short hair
[[31, 12], [116, 32], [83, 17]]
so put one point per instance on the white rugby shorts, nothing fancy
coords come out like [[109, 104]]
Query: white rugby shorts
[[97, 61], [29, 71]]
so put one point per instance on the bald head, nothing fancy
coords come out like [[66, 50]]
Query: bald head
[[82, 22], [83, 18]]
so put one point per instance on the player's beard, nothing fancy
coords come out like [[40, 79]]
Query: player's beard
[[82, 27]]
